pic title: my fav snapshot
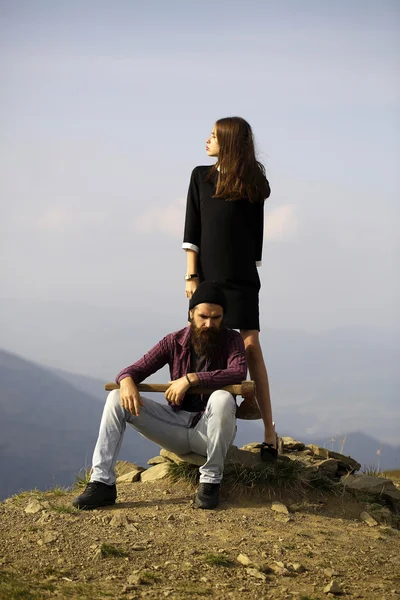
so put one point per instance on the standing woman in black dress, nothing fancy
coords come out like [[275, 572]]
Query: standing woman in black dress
[[223, 241]]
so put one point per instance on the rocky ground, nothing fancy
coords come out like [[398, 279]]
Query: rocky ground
[[155, 544]]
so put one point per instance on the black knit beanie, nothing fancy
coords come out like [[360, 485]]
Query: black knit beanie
[[208, 292]]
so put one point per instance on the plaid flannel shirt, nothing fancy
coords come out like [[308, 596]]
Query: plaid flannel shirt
[[227, 366]]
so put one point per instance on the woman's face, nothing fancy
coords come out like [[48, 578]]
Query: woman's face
[[212, 146]]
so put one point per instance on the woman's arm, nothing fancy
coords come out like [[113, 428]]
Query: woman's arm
[[191, 269], [192, 234], [191, 262], [259, 231]]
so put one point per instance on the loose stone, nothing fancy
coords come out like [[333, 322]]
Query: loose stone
[[333, 588], [280, 508]]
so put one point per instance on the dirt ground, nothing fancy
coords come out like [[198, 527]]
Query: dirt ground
[[169, 549]]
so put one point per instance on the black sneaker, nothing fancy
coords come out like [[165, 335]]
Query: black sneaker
[[207, 495], [96, 494]]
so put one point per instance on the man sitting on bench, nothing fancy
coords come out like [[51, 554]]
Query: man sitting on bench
[[204, 354]]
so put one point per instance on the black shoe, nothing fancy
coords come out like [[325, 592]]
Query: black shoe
[[96, 494], [268, 452], [207, 495]]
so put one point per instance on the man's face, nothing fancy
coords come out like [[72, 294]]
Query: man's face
[[207, 316], [205, 328]]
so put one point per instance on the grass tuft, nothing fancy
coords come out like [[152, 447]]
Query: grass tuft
[[184, 472], [83, 478], [390, 531], [373, 470], [280, 477], [64, 509], [14, 587], [35, 493], [149, 576], [323, 484], [218, 559], [110, 550], [290, 477], [393, 474], [58, 490], [190, 589]]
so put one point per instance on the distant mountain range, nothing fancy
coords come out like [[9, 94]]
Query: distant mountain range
[[48, 428], [322, 384], [50, 419]]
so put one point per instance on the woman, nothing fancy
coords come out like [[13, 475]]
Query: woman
[[223, 241]]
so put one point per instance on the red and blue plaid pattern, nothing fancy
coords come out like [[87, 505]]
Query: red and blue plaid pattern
[[226, 367]]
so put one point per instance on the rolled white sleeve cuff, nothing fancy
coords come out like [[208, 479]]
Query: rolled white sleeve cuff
[[187, 246], [258, 263]]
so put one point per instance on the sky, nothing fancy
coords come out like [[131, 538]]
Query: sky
[[105, 109]]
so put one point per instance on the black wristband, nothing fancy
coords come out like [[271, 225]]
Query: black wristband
[[188, 380]]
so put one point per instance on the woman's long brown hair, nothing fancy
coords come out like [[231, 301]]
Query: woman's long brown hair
[[240, 175]]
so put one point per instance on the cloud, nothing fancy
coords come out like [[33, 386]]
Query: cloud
[[168, 219], [280, 223], [59, 218], [52, 218]]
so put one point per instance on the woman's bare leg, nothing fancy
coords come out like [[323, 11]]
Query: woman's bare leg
[[258, 373]]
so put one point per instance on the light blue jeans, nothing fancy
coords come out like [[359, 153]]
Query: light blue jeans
[[170, 429]]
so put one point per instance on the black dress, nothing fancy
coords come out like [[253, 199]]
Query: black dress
[[228, 235]]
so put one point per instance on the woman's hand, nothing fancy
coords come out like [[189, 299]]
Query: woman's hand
[[191, 287]]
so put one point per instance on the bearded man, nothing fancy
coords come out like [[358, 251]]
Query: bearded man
[[204, 354]]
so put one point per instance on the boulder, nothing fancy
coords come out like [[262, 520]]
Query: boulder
[[157, 472], [123, 467], [157, 460], [345, 463], [318, 451], [246, 458], [368, 484], [131, 477], [253, 447], [290, 444], [393, 497], [328, 467], [191, 458]]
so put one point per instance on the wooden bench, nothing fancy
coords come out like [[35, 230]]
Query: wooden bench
[[248, 409]]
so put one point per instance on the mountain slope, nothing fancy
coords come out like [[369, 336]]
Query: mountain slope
[[322, 383], [49, 424], [48, 428]]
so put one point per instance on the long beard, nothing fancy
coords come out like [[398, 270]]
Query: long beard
[[204, 341]]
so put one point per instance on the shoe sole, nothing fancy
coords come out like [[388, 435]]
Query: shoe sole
[[199, 504], [89, 507]]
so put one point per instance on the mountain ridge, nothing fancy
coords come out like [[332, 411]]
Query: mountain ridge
[[50, 421]]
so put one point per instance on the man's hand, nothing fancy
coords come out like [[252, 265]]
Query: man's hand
[[177, 390], [129, 396]]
